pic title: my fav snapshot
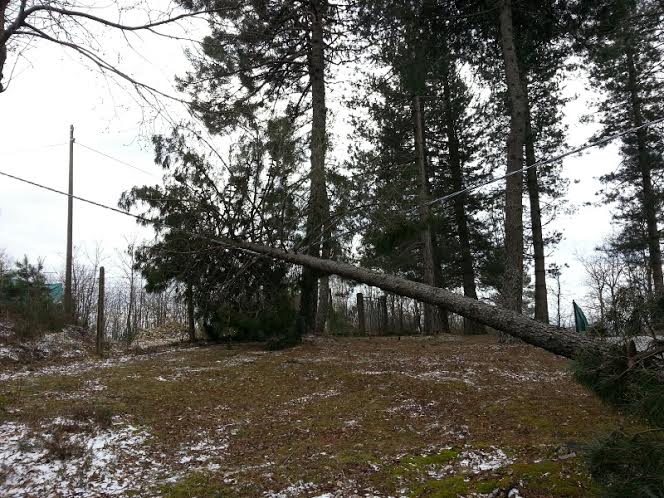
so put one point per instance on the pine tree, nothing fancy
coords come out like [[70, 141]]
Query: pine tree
[[279, 53], [412, 41], [253, 196], [539, 36], [623, 41]]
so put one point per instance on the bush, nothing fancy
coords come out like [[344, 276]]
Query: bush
[[629, 465], [638, 390], [25, 296], [274, 319]]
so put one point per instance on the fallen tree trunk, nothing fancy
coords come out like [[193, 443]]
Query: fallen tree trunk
[[538, 334]]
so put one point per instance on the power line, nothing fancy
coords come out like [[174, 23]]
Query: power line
[[442, 199], [120, 211], [120, 161], [33, 148], [542, 162]]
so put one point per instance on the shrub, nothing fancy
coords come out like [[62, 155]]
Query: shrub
[[629, 465], [25, 296]]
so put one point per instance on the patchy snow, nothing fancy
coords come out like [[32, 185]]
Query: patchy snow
[[313, 396], [296, 489], [99, 463], [480, 461], [85, 366]]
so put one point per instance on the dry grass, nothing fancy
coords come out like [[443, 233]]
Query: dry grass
[[350, 416]]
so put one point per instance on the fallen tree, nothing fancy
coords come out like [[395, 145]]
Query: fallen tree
[[561, 342]]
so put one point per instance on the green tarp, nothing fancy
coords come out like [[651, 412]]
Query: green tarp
[[580, 318]]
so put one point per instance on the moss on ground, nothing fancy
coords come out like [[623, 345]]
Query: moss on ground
[[196, 485], [345, 410]]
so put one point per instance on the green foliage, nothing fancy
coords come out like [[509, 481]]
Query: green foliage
[[629, 465], [274, 318], [626, 465], [638, 390], [26, 297]]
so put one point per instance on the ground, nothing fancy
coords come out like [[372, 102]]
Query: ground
[[433, 417]]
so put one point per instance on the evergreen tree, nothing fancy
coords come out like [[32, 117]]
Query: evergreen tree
[[253, 196], [538, 33], [623, 41], [418, 48], [279, 54]]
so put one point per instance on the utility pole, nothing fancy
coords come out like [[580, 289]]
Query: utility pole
[[69, 311], [100, 314]]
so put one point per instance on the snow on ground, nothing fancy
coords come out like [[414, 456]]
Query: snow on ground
[[70, 458], [481, 460], [54, 462], [85, 366]]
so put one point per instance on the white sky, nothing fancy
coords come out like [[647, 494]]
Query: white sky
[[53, 89]]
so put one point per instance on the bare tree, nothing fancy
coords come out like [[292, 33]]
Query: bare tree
[[71, 24], [605, 271]]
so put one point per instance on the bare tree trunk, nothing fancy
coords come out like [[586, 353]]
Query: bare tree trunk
[[533, 332], [467, 269], [382, 313], [3, 44], [323, 302], [428, 245], [513, 278], [648, 199], [361, 320], [541, 295], [191, 325], [318, 201]]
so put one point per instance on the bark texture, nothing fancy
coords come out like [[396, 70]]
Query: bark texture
[[460, 216], [429, 263], [318, 200], [191, 325], [648, 198], [513, 277], [541, 295], [557, 341]]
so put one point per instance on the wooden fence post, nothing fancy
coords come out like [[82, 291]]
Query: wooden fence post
[[362, 326], [384, 325], [100, 314]]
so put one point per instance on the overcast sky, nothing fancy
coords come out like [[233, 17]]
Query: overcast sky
[[52, 89]]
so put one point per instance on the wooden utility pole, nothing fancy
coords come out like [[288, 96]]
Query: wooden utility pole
[[100, 314], [362, 326], [68, 302]]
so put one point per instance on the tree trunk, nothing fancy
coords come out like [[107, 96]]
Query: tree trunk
[[318, 211], [323, 302], [3, 44], [191, 325], [467, 269], [648, 198], [541, 296], [361, 320], [536, 333], [513, 277], [426, 235]]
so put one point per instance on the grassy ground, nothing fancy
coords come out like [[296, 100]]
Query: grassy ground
[[438, 417]]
